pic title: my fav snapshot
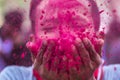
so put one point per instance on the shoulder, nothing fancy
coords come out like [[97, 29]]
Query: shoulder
[[9, 69], [7, 73], [113, 67], [13, 72], [111, 72]]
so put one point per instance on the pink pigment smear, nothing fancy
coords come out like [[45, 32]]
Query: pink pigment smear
[[62, 58], [34, 46], [23, 55]]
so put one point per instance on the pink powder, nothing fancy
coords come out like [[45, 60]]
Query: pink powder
[[22, 55], [69, 25], [34, 46], [101, 11], [114, 10]]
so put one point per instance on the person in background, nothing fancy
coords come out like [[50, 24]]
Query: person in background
[[110, 69], [12, 48]]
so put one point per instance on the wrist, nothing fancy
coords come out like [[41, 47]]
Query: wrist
[[92, 78], [37, 75]]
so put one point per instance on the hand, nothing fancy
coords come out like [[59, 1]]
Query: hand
[[37, 51], [44, 54], [90, 59], [89, 62], [39, 58]]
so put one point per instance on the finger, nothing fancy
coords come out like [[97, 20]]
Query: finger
[[60, 55], [101, 35], [31, 45], [50, 50], [31, 38], [39, 58], [74, 50], [85, 58], [93, 54], [98, 46], [76, 57]]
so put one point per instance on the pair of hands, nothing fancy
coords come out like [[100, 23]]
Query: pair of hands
[[90, 59]]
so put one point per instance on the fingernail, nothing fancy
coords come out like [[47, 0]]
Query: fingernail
[[86, 42], [78, 40], [31, 37], [45, 43]]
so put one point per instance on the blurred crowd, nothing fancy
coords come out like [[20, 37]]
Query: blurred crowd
[[12, 40]]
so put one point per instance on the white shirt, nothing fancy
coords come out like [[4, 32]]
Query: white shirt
[[17, 73], [110, 72]]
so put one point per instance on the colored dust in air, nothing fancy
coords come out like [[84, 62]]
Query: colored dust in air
[[63, 23]]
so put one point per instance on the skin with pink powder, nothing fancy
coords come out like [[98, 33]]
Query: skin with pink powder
[[60, 25]]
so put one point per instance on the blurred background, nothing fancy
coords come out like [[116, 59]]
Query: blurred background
[[7, 5], [15, 28]]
